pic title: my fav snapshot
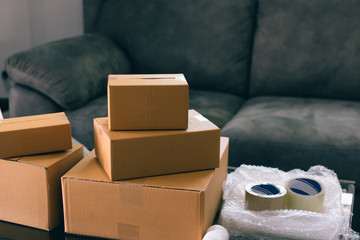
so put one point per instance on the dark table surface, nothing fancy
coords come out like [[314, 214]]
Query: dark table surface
[[18, 232]]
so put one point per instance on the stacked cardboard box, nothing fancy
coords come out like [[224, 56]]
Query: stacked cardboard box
[[34, 134], [30, 184], [142, 102], [174, 206], [131, 154], [157, 168]]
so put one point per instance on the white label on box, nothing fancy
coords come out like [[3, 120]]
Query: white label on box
[[180, 78], [201, 118]]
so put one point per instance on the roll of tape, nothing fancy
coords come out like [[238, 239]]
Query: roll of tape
[[305, 194], [216, 232], [264, 196]]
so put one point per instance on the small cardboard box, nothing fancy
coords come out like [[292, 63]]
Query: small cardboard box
[[178, 206], [132, 154], [30, 189], [144, 102], [34, 134]]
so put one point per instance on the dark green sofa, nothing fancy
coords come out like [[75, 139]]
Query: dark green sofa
[[281, 78]]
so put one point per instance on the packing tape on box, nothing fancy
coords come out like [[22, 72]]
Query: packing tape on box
[[151, 77], [127, 231], [305, 194], [111, 78], [264, 196], [131, 194], [216, 232]]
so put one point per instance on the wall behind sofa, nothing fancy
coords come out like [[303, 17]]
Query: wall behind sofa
[[54, 19], [28, 23]]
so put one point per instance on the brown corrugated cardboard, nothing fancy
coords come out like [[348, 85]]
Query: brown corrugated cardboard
[[34, 134], [152, 101], [177, 206], [132, 154], [30, 187]]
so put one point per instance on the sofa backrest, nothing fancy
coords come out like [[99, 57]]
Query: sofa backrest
[[307, 48], [207, 40]]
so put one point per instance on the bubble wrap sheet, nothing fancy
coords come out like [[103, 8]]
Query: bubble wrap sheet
[[283, 224]]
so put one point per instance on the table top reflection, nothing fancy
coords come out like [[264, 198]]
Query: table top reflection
[[18, 232]]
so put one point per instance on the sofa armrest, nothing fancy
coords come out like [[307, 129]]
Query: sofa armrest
[[24, 101], [70, 71]]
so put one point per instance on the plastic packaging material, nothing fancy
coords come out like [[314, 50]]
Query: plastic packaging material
[[216, 232], [332, 223]]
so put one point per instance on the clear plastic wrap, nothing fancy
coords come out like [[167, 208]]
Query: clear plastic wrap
[[332, 223]]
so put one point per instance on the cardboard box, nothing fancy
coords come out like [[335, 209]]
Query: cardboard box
[[132, 154], [143, 102], [177, 206], [30, 189], [34, 134]]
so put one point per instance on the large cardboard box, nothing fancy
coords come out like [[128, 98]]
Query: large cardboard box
[[132, 154], [178, 206], [155, 101], [34, 134], [30, 188]]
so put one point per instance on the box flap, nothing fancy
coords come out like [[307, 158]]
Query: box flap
[[147, 80], [36, 121], [197, 123], [90, 169], [46, 160]]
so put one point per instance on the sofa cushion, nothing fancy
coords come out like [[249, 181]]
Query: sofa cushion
[[307, 49], [82, 126], [70, 71], [218, 107], [209, 41], [292, 133], [24, 101]]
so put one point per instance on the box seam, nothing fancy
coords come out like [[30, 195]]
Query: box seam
[[128, 184]]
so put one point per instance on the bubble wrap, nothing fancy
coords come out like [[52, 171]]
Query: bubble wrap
[[294, 224]]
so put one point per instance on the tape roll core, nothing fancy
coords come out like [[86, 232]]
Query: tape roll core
[[264, 196], [305, 194]]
